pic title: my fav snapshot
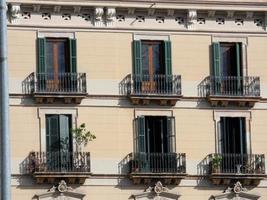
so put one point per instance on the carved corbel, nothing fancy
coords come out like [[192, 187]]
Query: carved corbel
[[110, 16], [57, 9], [170, 12], [131, 11], [211, 13], [191, 19], [249, 14], [151, 11], [99, 12], [14, 13], [230, 13]]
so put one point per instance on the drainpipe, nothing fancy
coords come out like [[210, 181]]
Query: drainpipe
[[4, 108]]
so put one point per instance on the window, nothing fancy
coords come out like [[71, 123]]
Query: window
[[58, 141], [227, 71], [154, 143], [233, 145], [56, 69], [152, 66], [227, 59], [233, 135]]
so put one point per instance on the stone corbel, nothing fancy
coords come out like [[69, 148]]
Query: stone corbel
[[57, 9], [98, 19], [230, 14], [191, 19], [110, 16], [249, 14], [14, 13], [211, 13]]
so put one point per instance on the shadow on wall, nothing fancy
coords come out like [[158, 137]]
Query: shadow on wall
[[28, 84], [125, 85]]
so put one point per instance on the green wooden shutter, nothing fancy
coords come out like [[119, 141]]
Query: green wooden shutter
[[73, 55], [52, 134], [137, 58], [141, 134], [242, 125], [171, 141], [41, 67], [168, 66], [167, 56], [216, 58], [238, 68]]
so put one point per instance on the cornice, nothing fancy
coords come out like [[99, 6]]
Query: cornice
[[237, 5], [164, 15]]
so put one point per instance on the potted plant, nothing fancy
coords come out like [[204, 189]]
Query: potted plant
[[82, 136], [216, 163], [259, 167]]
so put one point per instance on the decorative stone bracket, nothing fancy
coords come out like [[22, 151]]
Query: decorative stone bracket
[[236, 191], [14, 13], [104, 16], [191, 19]]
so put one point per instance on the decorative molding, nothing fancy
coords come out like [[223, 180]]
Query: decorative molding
[[14, 13], [60, 191], [249, 15], [110, 16], [211, 13], [131, 11], [57, 9], [98, 16], [105, 16], [170, 12], [191, 19], [36, 8], [237, 191], [157, 192], [151, 11], [77, 9], [230, 13]]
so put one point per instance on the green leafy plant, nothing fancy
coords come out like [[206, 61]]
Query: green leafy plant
[[81, 135], [216, 161]]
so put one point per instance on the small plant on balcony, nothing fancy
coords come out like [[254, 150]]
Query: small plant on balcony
[[82, 136], [259, 166], [216, 163]]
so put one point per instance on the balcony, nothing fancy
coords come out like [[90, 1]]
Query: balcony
[[246, 168], [161, 89], [224, 90], [50, 87], [169, 168], [73, 167]]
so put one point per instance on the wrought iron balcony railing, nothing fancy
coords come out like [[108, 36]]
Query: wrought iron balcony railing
[[57, 162], [162, 85], [158, 163], [237, 163], [239, 86], [51, 83]]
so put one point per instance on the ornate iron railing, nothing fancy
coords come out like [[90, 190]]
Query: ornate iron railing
[[154, 85], [158, 163], [237, 163], [248, 86], [58, 162], [51, 83]]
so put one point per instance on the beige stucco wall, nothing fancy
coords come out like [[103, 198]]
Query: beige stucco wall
[[257, 61]]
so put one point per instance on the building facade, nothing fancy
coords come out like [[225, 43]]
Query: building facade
[[174, 91]]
